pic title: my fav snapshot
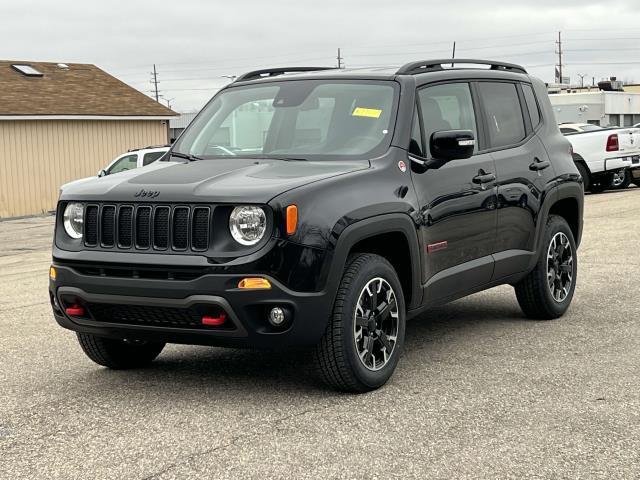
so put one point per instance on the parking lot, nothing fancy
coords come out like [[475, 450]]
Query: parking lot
[[479, 392]]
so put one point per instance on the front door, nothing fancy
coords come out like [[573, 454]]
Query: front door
[[457, 200]]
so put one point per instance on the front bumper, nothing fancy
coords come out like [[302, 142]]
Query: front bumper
[[157, 309]]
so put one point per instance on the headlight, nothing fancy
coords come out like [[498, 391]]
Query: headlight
[[247, 224], [73, 218]]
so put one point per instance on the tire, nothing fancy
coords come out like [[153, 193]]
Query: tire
[[348, 335], [119, 354], [637, 182], [584, 173], [599, 187], [620, 182], [534, 291]]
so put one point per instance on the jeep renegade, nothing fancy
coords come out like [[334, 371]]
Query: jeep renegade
[[323, 208]]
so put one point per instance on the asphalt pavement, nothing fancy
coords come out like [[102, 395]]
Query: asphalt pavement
[[480, 392]]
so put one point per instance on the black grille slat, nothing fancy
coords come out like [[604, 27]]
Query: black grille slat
[[161, 227], [108, 226], [143, 227], [164, 227], [200, 228], [125, 227], [91, 225], [180, 232]]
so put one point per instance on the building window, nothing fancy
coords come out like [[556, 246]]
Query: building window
[[27, 70]]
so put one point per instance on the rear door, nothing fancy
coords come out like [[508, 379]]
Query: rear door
[[523, 169], [457, 200]]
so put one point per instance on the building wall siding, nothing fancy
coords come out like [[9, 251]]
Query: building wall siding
[[38, 156]]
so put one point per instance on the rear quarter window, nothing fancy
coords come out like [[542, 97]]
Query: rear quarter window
[[532, 105]]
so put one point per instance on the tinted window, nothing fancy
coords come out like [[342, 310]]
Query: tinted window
[[532, 105], [446, 107], [151, 157], [565, 130], [504, 119], [128, 162], [415, 146]]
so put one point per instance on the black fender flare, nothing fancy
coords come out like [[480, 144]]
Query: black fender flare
[[560, 191], [370, 227]]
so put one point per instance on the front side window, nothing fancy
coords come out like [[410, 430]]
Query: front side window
[[128, 162], [446, 107], [503, 113], [310, 119]]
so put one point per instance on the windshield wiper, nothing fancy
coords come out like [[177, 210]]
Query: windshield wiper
[[286, 159], [186, 156]]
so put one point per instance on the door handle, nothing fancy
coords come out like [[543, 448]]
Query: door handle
[[483, 178], [537, 165]]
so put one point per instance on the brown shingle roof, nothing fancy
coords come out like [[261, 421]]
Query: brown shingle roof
[[82, 89]]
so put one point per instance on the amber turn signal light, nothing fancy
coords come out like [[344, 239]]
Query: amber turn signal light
[[292, 219], [254, 283], [52, 273]]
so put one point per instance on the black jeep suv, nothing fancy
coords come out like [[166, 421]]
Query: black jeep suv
[[323, 208]]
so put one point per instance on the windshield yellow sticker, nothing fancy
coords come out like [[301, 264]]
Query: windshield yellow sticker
[[366, 112]]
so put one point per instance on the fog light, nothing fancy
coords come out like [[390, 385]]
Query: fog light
[[276, 316]]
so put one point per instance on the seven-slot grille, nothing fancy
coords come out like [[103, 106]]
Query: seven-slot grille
[[143, 227]]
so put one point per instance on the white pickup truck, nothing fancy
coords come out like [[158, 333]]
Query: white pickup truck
[[606, 157]]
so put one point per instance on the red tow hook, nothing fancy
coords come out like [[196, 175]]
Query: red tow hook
[[214, 321], [75, 310]]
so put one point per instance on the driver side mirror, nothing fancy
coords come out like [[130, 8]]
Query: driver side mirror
[[449, 145], [102, 173]]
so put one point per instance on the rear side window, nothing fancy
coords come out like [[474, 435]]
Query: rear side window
[[446, 107], [151, 157], [504, 119], [532, 105]]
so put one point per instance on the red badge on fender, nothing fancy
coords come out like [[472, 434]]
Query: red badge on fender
[[402, 166]]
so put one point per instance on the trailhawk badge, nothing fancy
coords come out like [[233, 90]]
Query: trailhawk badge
[[402, 166]]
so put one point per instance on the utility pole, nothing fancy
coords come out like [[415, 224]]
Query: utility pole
[[582, 75], [154, 82], [453, 54], [339, 58], [559, 52]]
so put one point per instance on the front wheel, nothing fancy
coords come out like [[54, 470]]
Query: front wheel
[[546, 292], [119, 354], [361, 346]]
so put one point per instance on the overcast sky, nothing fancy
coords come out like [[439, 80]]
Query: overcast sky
[[194, 43]]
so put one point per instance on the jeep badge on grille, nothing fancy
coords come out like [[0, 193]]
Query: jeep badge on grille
[[147, 194]]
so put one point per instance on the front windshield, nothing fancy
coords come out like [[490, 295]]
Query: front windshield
[[301, 119]]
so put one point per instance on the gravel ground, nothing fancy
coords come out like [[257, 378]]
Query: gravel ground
[[480, 392]]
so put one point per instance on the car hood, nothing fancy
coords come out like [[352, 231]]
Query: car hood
[[220, 180]]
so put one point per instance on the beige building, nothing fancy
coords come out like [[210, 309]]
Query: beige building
[[60, 122]]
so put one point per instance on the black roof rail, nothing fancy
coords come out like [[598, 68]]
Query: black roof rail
[[272, 72], [148, 147], [435, 65]]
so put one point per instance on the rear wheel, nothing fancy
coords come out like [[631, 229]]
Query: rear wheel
[[621, 180], [547, 291], [119, 354], [361, 345]]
